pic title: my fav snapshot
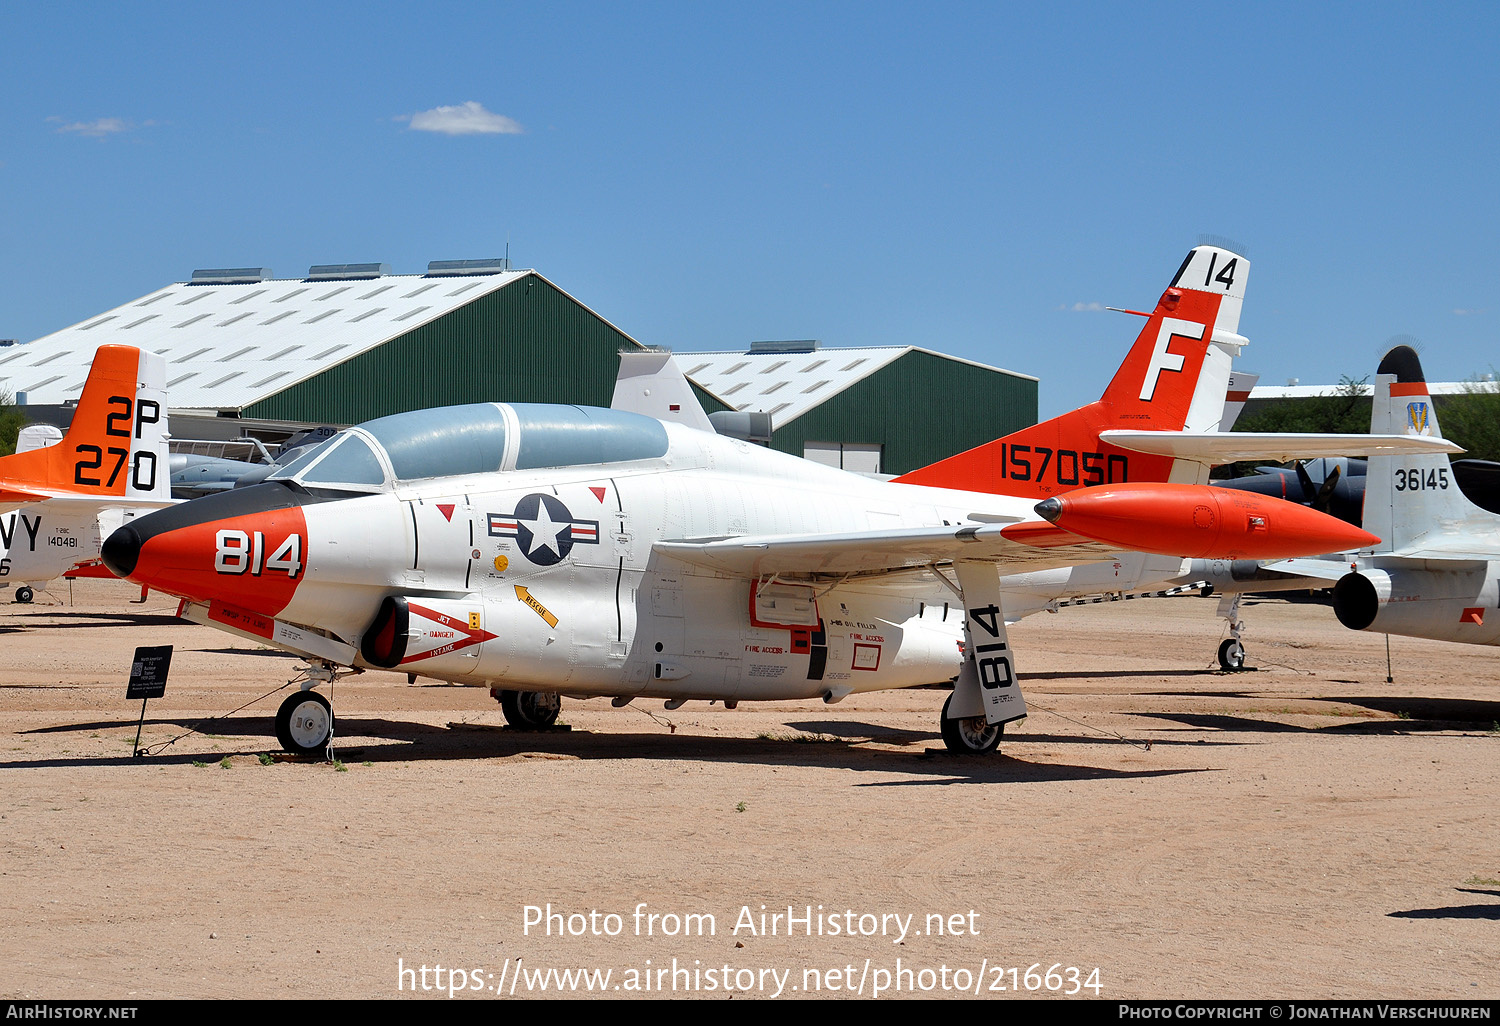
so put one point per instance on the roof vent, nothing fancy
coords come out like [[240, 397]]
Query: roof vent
[[346, 272], [458, 268], [803, 345], [230, 275]]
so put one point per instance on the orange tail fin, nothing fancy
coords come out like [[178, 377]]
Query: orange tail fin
[[1174, 377], [116, 446]]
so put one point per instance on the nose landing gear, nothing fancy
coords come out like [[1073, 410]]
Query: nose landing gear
[[304, 723]]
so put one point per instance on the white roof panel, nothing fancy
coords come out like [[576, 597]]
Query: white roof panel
[[228, 346], [787, 385]]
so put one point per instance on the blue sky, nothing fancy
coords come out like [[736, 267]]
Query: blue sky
[[975, 178]]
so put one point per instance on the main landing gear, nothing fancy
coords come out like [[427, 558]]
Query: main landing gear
[[24, 594], [1232, 648], [973, 736], [1231, 654], [528, 710]]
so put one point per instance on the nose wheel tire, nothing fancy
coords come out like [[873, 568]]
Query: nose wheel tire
[[304, 723], [972, 736], [24, 594], [530, 710], [1231, 655]]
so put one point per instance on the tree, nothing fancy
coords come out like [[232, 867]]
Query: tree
[[12, 419], [1472, 419], [1343, 411]]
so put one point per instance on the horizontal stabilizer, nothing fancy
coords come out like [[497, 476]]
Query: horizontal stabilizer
[[1321, 569], [1233, 446], [13, 498]]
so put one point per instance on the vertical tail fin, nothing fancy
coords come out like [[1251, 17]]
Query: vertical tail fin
[[116, 446], [651, 383], [1410, 499], [1175, 377]]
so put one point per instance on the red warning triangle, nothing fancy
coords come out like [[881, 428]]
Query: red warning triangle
[[598, 492], [446, 509]]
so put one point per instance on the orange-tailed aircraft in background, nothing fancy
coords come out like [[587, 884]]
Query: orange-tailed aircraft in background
[[57, 502]]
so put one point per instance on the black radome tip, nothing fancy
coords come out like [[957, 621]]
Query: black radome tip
[[1049, 509], [121, 550], [1402, 362]]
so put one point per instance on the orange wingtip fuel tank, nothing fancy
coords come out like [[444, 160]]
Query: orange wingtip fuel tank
[[1200, 522]]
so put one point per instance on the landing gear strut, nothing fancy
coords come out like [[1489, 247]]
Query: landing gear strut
[[971, 736], [528, 710], [1232, 649]]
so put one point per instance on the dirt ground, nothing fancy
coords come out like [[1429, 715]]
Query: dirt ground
[[1305, 830]]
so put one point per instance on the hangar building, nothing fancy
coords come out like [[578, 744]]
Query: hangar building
[[887, 409], [344, 344], [249, 354]]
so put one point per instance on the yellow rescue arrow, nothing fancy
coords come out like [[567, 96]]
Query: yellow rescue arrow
[[541, 610]]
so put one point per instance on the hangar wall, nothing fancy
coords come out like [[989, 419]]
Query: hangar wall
[[526, 342], [922, 408]]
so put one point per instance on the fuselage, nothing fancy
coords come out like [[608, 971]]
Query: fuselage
[[540, 574], [39, 543]]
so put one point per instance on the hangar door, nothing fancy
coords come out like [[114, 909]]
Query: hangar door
[[859, 457]]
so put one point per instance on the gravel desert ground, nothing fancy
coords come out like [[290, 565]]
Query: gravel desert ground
[[1155, 829]]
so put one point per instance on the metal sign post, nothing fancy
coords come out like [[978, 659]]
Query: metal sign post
[[148, 679]]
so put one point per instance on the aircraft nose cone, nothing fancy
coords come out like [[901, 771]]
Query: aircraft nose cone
[[121, 550]]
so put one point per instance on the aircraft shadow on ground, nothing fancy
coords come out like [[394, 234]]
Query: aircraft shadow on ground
[[419, 742], [889, 735], [1028, 677], [1491, 911], [1415, 716], [1467, 711]]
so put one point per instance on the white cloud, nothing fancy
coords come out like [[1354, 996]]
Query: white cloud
[[1083, 307], [465, 119], [97, 129], [1464, 312]]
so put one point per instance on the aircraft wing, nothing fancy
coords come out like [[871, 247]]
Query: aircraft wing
[[1232, 446], [1015, 548], [67, 501], [1087, 525]]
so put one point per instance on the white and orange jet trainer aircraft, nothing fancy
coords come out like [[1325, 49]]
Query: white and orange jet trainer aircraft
[[547, 551], [58, 502]]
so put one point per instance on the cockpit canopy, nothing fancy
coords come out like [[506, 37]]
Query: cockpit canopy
[[481, 438]]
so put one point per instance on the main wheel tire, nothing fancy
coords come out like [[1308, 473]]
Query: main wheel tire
[[1231, 654], [530, 710], [304, 723], [24, 594], [972, 736]]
